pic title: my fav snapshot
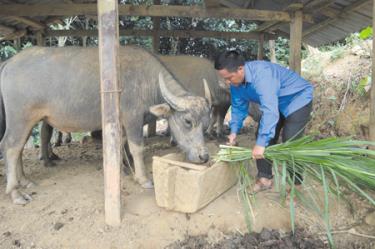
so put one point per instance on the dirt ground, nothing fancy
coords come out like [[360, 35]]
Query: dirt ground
[[67, 210]]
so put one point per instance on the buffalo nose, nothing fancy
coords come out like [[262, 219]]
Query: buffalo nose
[[204, 158]]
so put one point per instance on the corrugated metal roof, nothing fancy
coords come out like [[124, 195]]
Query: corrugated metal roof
[[340, 17], [353, 15]]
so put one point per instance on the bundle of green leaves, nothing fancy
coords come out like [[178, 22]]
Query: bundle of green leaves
[[335, 163]]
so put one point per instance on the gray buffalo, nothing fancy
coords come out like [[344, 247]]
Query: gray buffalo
[[190, 71], [61, 87]]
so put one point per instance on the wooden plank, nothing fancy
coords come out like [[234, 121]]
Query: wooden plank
[[29, 22], [142, 10], [212, 3], [372, 93], [181, 164], [110, 102], [166, 33], [291, 7], [5, 30], [260, 47], [295, 42], [345, 11], [16, 34]]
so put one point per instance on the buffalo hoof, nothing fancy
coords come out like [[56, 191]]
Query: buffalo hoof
[[128, 170], [25, 183], [49, 163], [20, 198], [147, 185]]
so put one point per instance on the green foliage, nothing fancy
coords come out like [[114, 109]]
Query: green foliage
[[6, 51], [337, 53], [282, 50], [334, 163], [363, 84], [366, 33]]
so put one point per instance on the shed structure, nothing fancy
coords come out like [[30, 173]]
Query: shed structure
[[315, 22]]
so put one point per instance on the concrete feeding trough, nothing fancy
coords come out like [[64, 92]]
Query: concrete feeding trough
[[188, 187]]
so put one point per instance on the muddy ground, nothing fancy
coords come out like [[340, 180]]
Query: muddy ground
[[67, 211]]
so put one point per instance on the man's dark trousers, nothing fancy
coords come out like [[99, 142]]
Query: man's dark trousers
[[293, 127]]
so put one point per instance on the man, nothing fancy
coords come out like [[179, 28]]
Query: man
[[285, 101]]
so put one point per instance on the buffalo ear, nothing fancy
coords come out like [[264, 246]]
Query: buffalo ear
[[161, 111]]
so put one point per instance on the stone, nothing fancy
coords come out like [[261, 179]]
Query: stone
[[188, 187], [58, 226]]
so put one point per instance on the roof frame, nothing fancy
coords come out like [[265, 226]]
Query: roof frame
[[143, 10], [333, 18]]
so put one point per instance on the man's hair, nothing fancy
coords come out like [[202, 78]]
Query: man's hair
[[229, 60]]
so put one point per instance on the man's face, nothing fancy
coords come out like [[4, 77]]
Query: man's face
[[234, 78]]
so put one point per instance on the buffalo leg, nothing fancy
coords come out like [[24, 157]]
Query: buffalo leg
[[134, 132], [151, 128], [12, 146], [46, 152], [59, 139]]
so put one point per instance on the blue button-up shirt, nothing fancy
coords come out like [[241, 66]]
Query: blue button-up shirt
[[276, 89]]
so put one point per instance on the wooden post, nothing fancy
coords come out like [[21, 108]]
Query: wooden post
[[272, 46], [261, 47], [110, 102], [17, 43], [156, 35], [40, 40], [372, 93], [295, 42], [151, 127], [84, 38]]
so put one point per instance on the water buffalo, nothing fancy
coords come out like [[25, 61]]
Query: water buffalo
[[61, 87], [190, 71]]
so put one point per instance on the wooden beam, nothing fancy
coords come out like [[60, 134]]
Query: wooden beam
[[30, 22], [166, 33], [143, 10], [372, 93], [291, 7], [330, 12], [110, 108], [12, 36], [295, 42], [211, 3], [344, 11], [5, 30], [313, 6]]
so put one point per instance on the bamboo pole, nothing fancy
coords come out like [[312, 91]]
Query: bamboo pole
[[110, 99]]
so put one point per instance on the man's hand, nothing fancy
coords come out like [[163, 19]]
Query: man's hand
[[258, 152], [232, 139]]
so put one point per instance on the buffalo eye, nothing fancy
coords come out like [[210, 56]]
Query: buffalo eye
[[188, 122]]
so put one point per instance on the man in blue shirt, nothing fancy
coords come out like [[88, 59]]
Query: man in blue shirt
[[285, 101]]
